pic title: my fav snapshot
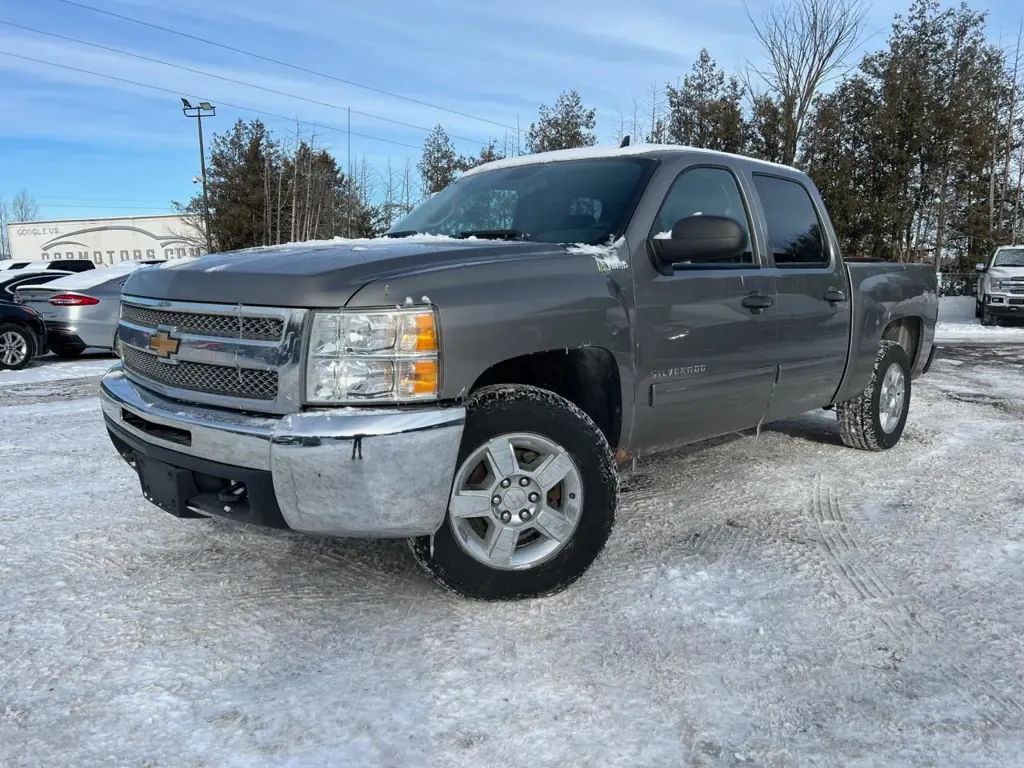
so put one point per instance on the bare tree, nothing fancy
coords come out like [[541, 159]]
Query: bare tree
[[24, 207], [806, 43], [5, 250]]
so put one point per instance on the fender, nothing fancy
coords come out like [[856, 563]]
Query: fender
[[494, 311]]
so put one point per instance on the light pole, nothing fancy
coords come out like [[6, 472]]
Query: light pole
[[205, 109]]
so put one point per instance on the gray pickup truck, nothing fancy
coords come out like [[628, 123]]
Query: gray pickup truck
[[474, 380]]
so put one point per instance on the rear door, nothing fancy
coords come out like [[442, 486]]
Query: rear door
[[813, 308], [706, 360]]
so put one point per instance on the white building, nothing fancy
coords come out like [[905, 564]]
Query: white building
[[105, 241]]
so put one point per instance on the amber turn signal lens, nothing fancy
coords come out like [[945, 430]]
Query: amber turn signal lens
[[424, 377], [418, 333]]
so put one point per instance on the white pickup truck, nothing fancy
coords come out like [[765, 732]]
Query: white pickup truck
[[1001, 285]]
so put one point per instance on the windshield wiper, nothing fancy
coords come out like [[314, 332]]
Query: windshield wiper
[[402, 233], [496, 234]]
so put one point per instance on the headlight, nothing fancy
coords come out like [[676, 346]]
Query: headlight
[[384, 356], [995, 285]]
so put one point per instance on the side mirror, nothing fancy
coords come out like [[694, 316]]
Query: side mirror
[[701, 240], [979, 267]]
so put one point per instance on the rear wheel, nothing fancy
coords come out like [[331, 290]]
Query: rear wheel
[[533, 500], [16, 347], [874, 421]]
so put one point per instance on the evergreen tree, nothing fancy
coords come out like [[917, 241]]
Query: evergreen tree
[[439, 164], [707, 111], [567, 125]]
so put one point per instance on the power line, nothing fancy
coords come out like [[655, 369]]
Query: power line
[[219, 101], [203, 72], [90, 199], [285, 64]]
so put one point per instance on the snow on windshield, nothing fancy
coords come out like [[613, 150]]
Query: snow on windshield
[[1009, 257]]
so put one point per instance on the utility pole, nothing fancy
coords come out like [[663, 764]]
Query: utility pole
[[205, 109], [348, 170]]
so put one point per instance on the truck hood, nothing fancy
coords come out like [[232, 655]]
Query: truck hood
[[321, 274], [1002, 273]]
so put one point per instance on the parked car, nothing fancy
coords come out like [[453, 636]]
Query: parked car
[[80, 310], [22, 335], [1001, 286], [474, 380], [9, 283], [66, 265]]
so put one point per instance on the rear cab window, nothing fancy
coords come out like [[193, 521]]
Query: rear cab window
[[795, 234]]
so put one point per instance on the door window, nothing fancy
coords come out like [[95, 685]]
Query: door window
[[794, 230], [705, 192]]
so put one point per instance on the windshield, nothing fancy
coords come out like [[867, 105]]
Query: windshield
[[579, 201], [1009, 257]]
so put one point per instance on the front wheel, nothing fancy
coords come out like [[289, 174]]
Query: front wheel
[[874, 420], [533, 500], [977, 309], [987, 318]]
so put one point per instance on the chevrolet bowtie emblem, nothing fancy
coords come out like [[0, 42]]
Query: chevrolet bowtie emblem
[[164, 346]]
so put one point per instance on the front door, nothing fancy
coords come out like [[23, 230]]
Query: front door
[[813, 305], [707, 334]]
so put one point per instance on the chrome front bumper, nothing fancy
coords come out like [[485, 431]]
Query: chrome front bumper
[[360, 472]]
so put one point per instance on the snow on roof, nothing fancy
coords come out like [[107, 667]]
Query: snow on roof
[[80, 281], [590, 153]]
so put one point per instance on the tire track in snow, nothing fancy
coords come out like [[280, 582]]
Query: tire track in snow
[[850, 562]]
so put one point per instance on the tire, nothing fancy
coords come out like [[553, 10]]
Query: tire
[[861, 419], [518, 414], [65, 352], [987, 318], [977, 309], [16, 347]]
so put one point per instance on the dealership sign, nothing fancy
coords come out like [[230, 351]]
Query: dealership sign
[[105, 241]]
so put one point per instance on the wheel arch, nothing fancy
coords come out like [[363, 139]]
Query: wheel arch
[[907, 332], [586, 376]]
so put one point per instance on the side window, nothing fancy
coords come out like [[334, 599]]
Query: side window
[[794, 231], [705, 192]]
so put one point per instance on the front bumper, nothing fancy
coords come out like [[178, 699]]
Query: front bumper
[[360, 472], [1004, 305]]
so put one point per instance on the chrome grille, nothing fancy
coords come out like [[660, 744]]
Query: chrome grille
[[224, 326], [202, 377]]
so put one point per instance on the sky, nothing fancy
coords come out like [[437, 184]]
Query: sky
[[84, 145]]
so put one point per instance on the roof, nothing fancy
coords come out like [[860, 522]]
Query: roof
[[588, 153]]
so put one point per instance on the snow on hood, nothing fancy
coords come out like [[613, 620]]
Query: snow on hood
[[353, 242]]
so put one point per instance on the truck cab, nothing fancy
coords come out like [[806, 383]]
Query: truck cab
[[1001, 286]]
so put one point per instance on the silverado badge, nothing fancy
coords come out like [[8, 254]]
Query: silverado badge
[[164, 346]]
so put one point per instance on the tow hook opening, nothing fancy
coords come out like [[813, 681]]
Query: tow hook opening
[[235, 492]]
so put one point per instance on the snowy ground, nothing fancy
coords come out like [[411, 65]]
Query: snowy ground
[[957, 324], [51, 368], [784, 602]]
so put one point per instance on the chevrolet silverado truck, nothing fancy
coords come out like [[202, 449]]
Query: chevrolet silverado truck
[[1001, 286], [475, 379]]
